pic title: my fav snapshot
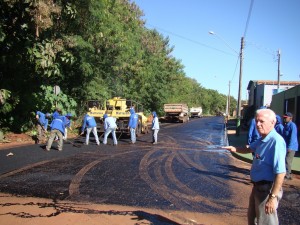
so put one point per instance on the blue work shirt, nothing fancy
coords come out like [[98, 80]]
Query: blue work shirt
[[155, 122], [55, 114], [59, 124], [68, 122], [133, 119], [89, 122], [290, 136], [43, 121], [109, 122], [278, 126], [269, 158], [253, 134]]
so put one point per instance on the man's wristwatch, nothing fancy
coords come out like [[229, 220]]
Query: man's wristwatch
[[272, 196]]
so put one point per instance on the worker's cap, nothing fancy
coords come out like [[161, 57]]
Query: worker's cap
[[288, 114], [48, 115], [105, 116], [69, 115]]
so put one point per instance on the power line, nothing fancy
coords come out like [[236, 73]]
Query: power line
[[190, 40], [248, 18]]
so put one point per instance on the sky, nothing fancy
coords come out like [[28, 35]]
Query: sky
[[269, 26]]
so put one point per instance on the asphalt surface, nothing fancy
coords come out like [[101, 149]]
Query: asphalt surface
[[136, 175], [187, 171]]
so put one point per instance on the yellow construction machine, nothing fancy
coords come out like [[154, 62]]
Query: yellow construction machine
[[118, 108]]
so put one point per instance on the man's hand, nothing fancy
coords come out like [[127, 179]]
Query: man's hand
[[230, 148], [81, 133], [270, 206]]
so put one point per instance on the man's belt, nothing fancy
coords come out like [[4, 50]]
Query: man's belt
[[262, 182]]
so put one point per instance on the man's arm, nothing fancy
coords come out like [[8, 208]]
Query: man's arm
[[279, 178], [271, 203], [243, 150]]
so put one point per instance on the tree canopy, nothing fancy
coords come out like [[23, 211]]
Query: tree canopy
[[91, 49]]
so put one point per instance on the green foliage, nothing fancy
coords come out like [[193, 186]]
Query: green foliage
[[47, 101], [92, 50], [43, 55]]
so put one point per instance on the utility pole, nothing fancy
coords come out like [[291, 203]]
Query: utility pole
[[278, 78], [238, 121], [229, 99]]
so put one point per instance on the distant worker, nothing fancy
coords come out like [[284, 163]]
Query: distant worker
[[253, 134], [57, 129], [110, 126], [90, 124], [41, 125], [278, 126], [132, 125], [291, 140], [56, 113], [155, 128], [267, 171], [67, 125]]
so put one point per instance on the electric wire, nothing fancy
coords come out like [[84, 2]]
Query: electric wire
[[248, 18], [245, 33], [188, 39]]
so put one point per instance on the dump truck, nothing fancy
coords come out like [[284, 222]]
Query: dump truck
[[177, 112], [196, 112], [118, 108]]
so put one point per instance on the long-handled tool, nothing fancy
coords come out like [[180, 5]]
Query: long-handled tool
[[73, 143], [101, 135], [120, 135]]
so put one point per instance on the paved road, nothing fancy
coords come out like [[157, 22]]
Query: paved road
[[186, 171]]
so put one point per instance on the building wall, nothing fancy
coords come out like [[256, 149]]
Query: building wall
[[288, 101], [262, 94]]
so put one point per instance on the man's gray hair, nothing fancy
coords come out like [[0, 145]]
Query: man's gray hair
[[267, 113]]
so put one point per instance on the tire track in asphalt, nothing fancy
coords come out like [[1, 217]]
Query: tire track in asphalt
[[76, 180], [156, 186], [11, 173], [186, 194], [182, 195]]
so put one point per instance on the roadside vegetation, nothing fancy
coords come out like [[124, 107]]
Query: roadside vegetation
[[91, 50]]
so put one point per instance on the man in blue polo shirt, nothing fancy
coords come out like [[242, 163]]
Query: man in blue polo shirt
[[110, 126], [42, 125], [132, 125], [291, 139], [267, 171], [90, 124], [57, 129]]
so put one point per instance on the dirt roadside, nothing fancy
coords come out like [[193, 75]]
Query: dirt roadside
[[12, 140], [17, 210]]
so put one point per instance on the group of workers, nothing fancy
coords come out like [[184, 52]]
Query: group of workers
[[58, 128], [60, 124], [110, 126]]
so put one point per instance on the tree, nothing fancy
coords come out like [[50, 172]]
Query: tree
[[92, 50]]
